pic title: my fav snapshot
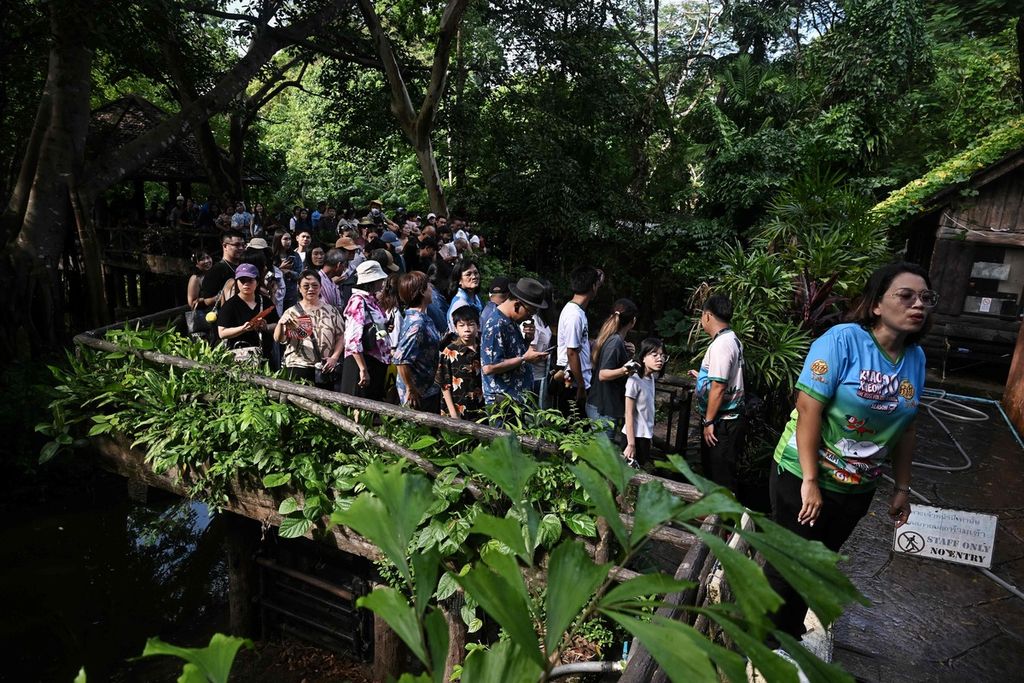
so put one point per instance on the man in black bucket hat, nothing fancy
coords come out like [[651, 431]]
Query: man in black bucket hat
[[504, 354]]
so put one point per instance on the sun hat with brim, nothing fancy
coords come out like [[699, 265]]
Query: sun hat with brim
[[258, 243], [347, 243], [366, 222], [246, 270], [530, 292], [383, 256], [369, 271]]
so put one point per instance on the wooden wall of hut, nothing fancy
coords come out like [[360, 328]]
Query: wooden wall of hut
[[995, 216]]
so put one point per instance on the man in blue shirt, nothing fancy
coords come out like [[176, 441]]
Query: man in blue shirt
[[504, 355]]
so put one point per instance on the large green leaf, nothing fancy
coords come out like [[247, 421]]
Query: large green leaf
[[406, 496], [572, 579], [390, 519], [640, 586], [504, 530], [213, 661], [654, 505], [504, 463], [504, 603], [808, 566], [601, 498], [392, 607], [506, 567], [771, 666], [368, 517], [678, 656], [502, 663], [606, 459], [749, 585], [426, 566], [437, 642], [276, 479], [294, 527]]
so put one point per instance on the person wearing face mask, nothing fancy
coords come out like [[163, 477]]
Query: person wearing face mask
[[857, 399]]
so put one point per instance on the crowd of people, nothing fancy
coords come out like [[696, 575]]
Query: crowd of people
[[395, 310]]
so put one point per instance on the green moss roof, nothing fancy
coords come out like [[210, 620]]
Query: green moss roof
[[916, 197]]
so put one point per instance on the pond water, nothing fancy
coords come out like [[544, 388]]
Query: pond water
[[86, 575]]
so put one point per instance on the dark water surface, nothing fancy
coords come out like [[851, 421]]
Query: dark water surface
[[86, 575]]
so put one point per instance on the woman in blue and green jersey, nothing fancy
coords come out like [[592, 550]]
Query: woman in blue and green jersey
[[857, 398]]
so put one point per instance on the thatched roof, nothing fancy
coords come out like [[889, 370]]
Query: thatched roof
[[121, 121]]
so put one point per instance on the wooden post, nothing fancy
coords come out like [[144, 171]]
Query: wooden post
[[243, 537], [388, 651]]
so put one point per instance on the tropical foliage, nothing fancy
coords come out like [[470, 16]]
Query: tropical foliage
[[516, 551]]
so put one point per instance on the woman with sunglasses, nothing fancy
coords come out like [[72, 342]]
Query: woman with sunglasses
[[857, 398], [313, 335]]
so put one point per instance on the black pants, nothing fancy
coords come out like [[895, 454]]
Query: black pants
[[719, 461], [350, 378], [837, 519]]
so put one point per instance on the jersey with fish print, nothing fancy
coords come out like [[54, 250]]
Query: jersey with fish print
[[869, 402]]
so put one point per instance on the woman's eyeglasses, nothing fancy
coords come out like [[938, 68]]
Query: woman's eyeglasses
[[310, 285], [907, 297]]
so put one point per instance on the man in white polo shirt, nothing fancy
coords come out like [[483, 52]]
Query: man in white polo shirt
[[720, 394]]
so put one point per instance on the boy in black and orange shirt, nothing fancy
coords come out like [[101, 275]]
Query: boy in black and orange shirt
[[458, 369]]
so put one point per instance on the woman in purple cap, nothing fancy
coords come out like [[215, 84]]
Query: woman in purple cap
[[245, 322]]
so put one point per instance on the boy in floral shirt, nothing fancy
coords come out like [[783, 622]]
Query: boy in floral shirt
[[458, 369]]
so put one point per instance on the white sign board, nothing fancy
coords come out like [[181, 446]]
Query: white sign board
[[986, 305], [950, 535]]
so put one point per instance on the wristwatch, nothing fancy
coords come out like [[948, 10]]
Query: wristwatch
[[704, 422]]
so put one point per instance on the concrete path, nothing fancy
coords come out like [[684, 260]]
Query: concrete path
[[931, 620]]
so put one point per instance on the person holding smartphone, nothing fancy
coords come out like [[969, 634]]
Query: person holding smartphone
[[504, 356], [612, 366]]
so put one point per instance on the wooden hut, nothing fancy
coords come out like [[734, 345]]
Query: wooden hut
[[965, 223]]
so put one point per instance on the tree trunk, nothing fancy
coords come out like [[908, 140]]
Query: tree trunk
[[14, 214], [431, 177], [33, 293]]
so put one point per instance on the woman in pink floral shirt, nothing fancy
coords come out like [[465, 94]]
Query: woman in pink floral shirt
[[367, 350]]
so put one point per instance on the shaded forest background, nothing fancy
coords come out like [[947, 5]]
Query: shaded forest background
[[673, 143]]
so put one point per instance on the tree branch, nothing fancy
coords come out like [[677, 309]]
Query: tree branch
[[453, 12], [401, 103], [119, 162]]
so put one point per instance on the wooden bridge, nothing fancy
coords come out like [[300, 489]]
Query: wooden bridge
[[257, 510]]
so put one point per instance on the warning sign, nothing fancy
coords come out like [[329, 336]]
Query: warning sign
[[950, 535]]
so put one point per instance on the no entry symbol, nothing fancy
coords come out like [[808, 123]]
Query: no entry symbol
[[910, 542]]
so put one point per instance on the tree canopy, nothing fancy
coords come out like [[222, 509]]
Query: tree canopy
[[647, 135]]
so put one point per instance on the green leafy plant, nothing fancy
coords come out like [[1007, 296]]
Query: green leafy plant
[[210, 664], [503, 556]]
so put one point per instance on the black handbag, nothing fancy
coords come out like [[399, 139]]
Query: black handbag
[[320, 376]]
